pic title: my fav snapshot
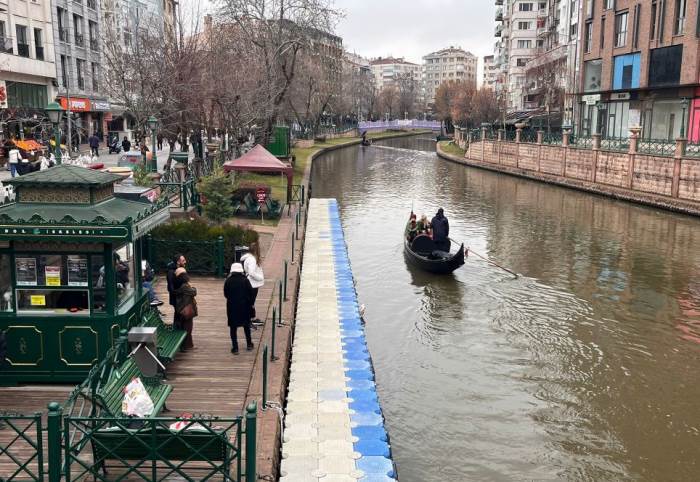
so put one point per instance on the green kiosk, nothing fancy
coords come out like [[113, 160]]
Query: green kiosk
[[70, 277]]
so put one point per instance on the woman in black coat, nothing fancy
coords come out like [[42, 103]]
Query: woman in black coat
[[239, 305]]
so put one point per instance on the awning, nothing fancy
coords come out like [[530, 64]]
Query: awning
[[28, 145], [258, 159]]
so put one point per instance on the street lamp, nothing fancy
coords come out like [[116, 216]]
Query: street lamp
[[55, 113], [153, 125], [684, 105], [601, 108]]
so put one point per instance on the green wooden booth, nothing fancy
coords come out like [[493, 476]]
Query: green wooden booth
[[280, 144], [70, 271]]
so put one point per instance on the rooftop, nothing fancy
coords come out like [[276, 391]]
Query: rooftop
[[65, 175]]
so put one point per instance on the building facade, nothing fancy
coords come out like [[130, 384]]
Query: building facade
[[490, 74], [386, 71], [358, 83], [447, 65], [27, 70], [639, 67], [79, 65]]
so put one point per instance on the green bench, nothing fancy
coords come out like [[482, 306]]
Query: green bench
[[274, 208], [169, 339], [110, 396], [156, 442]]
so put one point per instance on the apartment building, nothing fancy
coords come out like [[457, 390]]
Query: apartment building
[[27, 69], [447, 65], [79, 65], [639, 67], [387, 70], [490, 74]]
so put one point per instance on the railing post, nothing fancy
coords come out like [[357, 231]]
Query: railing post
[[302, 195], [280, 303], [596, 142], [292, 249], [296, 227], [264, 387], [566, 138], [286, 266], [540, 136], [54, 441], [250, 442], [677, 160], [634, 139], [273, 334], [220, 257]]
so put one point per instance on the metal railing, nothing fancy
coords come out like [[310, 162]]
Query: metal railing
[[692, 149], [552, 138], [39, 53], [79, 40], [94, 44], [582, 142], [21, 447], [204, 257], [63, 34], [23, 50], [619, 144], [6, 45], [656, 147]]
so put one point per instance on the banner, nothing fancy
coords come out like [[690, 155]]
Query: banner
[[3, 95]]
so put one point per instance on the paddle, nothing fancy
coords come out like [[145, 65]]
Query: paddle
[[468, 250]]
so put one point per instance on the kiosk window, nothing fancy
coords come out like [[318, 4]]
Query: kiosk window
[[53, 301], [6, 303], [124, 272], [99, 286]]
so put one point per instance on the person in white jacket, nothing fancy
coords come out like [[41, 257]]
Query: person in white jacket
[[254, 273]]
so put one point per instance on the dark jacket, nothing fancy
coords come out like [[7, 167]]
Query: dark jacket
[[94, 141], [126, 145], [184, 295], [441, 228], [239, 299], [170, 277]]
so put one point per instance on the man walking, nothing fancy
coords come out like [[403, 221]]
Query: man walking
[[239, 304], [178, 261], [94, 142], [441, 231]]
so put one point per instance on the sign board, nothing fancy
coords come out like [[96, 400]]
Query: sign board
[[101, 105], [77, 104], [261, 194], [620, 96], [3, 95], [53, 275], [37, 300], [591, 99]]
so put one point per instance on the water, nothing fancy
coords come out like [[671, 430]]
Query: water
[[584, 368]]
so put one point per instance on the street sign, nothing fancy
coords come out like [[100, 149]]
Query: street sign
[[261, 194]]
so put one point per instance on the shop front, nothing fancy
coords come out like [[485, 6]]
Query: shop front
[[70, 278]]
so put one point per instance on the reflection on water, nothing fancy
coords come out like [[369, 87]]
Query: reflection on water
[[584, 368]]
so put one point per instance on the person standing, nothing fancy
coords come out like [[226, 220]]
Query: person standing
[[441, 231], [239, 301], [159, 141], [185, 305], [126, 145], [94, 142], [255, 275], [14, 157], [179, 261]]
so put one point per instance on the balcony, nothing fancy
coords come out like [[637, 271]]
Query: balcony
[[542, 13], [39, 53], [499, 15], [23, 50], [79, 40], [92, 4], [6, 45], [94, 44], [63, 34], [499, 30], [499, 2], [81, 83]]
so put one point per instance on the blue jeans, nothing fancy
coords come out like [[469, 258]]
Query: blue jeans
[[13, 169], [148, 285]]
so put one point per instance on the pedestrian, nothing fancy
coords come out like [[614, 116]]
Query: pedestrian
[[94, 142], [441, 231], [179, 261], [185, 305], [254, 273], [239, 301], [159, 139], [14, 157], [126, 145], [148, 275]]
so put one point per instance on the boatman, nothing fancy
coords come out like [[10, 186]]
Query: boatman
[[441, 231]]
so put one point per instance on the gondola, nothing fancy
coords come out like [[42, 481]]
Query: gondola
[[366, 142], [422, 253]]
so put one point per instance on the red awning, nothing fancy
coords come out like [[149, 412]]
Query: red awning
[[258, 159]]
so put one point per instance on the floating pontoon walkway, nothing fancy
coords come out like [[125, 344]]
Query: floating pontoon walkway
[[334, 429]]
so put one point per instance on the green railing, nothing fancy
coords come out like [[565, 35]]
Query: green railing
[[203, 257], [581, 142], [552, 138], [528, 136], [21, 447], [297, 194], [181, 194], [656, 147], [692, 149]]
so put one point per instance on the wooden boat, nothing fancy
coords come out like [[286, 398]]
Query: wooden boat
[[423, 253], [366, 142]]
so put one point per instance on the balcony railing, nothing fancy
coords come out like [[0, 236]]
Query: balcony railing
[[81, 83], [39, 53], [6, 45], [79, 40], [63, 34], [23, 50], [92, 4], [499, 15], [499, 30], [94, 44]]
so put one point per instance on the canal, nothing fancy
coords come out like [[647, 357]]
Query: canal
[[586, 367]]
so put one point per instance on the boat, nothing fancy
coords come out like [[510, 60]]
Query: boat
[[423, 253], [366, 142]]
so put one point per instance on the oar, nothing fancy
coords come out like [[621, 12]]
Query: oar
[[491, 262]]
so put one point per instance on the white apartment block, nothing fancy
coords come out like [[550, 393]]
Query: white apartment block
[[520, 37], [387, 70], [490, 74], [447, 65]]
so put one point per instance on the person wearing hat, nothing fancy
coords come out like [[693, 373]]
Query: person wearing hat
[[254, 273], [239, 304]]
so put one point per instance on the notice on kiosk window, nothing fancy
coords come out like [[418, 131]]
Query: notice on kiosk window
[[77, 271], [38, 300], [53, 275], [26, 271]]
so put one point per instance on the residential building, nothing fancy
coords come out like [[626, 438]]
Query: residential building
[[490, 74], [447, 65], [358, 84], [386, 71], [27, 69], [79, 64], [639, 67]]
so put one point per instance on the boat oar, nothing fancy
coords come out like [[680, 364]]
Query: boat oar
[[469, 250]]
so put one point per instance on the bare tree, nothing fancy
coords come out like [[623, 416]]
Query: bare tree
[[388, 100], [408, 93]]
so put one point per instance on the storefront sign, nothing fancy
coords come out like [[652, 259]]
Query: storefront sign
[[37, 300], [3, 95], [101, 105], [590, 99], [94, 234], [25, 271], [53, 275], [76, 104], [620, 96]]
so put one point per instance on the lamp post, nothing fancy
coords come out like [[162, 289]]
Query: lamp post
[[601, 108], [153, 125], [684, 105], [55, 113]]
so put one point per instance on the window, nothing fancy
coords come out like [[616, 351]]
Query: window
[[92, 32], [22, 41], [679, 22], [525, 7], [21, 94], [521, 62], [64, 71], [573, 30], [602, 32], [665, 66], [124, 272], [38, 44], [78, 27], [5, 42], [652, 28], [588, 41], [609, 4], [99, 286], [621, 29], [524, 25], [590, 8], [95, 77], [592, 73], [626, 71], [79, 70], [524, 44], [635, 26], [6, 303]]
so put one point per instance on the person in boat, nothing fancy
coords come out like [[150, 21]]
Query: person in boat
[[423, 225], [365, 142], [412, 230], [441, 231]]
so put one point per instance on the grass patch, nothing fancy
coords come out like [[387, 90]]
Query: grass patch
[[449, 147]]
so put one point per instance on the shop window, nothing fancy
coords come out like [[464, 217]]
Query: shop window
[[592, 72], [626, 74], [6, 303], [124, 272], [665, 66]]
